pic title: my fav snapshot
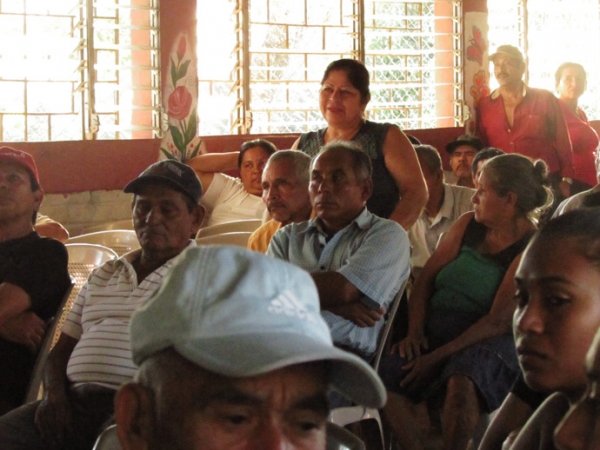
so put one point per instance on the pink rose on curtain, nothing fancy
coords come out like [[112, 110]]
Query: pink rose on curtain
[[180, 102]]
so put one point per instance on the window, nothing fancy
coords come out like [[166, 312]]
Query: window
[[261, 61], [74, 70], [551, 32]]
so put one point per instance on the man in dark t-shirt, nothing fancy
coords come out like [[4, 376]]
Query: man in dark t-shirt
[[33, 275]]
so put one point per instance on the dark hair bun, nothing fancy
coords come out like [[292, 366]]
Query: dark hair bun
[[540, 172]]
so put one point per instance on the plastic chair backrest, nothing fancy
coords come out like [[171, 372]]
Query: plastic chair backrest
[[121, 241], [230, 227], [387, 327], [351, 414], [35, 382], [108, 439], [126, 224], [239, 238], [338, 438]]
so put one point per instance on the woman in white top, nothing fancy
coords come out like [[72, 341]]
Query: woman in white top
[[226, 198]]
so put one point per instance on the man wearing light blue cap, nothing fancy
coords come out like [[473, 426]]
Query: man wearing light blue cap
[[233, 353]]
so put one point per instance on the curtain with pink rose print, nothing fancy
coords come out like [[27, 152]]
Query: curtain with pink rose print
[[181, 140], [476, 70]]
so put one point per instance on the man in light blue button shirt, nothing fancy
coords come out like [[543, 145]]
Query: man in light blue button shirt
[[357, 260]]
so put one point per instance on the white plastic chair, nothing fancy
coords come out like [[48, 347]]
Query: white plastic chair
[[239, 238], [346, 415], [230, 227], [108, 439], [121, 241], [35, 382], [83, 258], [126, 224]]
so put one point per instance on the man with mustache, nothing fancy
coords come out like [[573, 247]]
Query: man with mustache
[[92, 357], [519, 119], [285, 192], [462, 150], [357, 259]]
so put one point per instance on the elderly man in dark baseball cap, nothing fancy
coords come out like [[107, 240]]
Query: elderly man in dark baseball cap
[[462, 150], [92, 358], [233, 353]]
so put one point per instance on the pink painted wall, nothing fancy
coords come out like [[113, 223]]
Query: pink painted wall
[[474, 6], [78, 166]]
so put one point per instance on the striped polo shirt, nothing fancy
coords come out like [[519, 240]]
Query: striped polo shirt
[[100, 317]]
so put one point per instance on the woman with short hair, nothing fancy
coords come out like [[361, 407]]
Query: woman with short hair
[[571, 83]]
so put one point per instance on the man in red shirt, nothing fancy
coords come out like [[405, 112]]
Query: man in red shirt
[[519, 119]]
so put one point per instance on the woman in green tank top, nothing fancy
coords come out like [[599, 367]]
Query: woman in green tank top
[[459, 344]]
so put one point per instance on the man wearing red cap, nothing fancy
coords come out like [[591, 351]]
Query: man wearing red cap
[[519, 119], [33, 275]]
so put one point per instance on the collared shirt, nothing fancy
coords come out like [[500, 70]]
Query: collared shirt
[[260, 238], [372, 253], [585, 144], [574, 201], [426, 231], [100, 318], [539, 129]]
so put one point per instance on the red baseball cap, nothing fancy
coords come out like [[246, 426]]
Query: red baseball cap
[[22, 158]]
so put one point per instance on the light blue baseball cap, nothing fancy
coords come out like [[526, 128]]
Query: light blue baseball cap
[[240, 313]]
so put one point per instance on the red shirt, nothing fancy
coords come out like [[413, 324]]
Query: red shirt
[[539, 129], [585, 141]]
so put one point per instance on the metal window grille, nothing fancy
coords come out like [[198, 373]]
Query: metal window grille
[[412, 59], [72, 70], [271, 71]]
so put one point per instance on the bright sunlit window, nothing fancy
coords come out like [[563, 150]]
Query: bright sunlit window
[[78, 69], [551, 32], [260, 62]]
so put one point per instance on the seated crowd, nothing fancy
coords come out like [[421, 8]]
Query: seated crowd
[[223, 347]]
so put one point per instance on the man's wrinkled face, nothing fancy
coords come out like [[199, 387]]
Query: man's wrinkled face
[[461, 160], [285, 408], [508, 70], [285, 195], [337, 195], [162, 220]]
